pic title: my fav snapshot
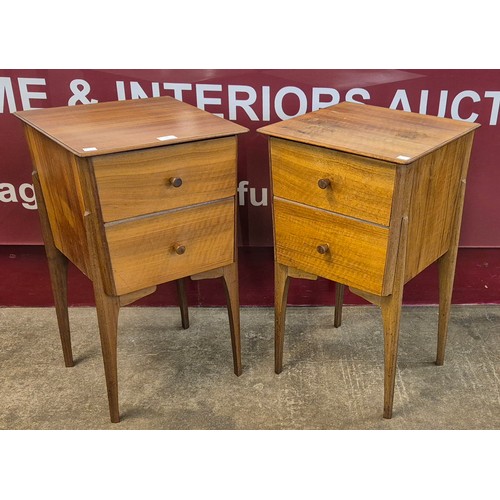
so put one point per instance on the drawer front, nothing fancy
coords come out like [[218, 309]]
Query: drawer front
[[143, 250], [144, 182], [355, 251], [352, 185]]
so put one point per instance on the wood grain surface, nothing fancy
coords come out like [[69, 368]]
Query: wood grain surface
[[59, 181], [142, 249], [358, 187], [372, 131], [138, 182], [357, 249], [110, 127], [435, 200], [135, 193]]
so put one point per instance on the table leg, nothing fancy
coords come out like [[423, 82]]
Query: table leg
[[339, 302], [446, 269], [230, 280], [391, 316], [107, 315], [107, 307], [58, 270], [446, 266], [181, 294], [281, 284]]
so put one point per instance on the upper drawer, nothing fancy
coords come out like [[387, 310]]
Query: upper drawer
[[352, 185], [152, 180]]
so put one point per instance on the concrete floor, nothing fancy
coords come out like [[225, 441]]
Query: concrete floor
[[175, 379]]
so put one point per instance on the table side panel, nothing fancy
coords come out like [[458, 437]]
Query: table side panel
[[357, 249], [434, 198], [142, 249], [137, 182], [59, 179], [359, 187]]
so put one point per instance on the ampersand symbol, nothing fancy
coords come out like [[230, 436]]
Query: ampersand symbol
[[80, 89]]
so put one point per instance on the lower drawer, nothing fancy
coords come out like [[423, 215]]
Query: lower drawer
[[143, 250], [354, 251]]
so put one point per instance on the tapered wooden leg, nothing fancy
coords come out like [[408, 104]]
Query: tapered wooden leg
[[281, 283], [107, 306], [181, 294], [107, 315], [339, 302], [391, 314], [230, 280], [58, 270], [446, 267]]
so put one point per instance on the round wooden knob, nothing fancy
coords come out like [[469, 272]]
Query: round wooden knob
[[322, 249], [175, 182], [324, 183], [179, 249]]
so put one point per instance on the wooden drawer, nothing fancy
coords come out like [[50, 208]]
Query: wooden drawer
[[142, 249], [356, 253], [138, 182], [359, 187]]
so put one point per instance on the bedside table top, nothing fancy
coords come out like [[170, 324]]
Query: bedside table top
[[110, 127], [385, 134]]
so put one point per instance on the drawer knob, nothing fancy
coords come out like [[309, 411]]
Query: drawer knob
[[324, 183], [179, 249], [322, 249], [175, 182]]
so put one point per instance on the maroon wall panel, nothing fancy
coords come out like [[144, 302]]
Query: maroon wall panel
[[24, 281], [254, 98]]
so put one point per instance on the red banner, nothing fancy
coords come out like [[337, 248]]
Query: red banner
[[254, 98]]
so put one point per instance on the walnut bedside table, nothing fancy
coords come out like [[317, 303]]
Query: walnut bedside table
[[135, 194], [367, 197]]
